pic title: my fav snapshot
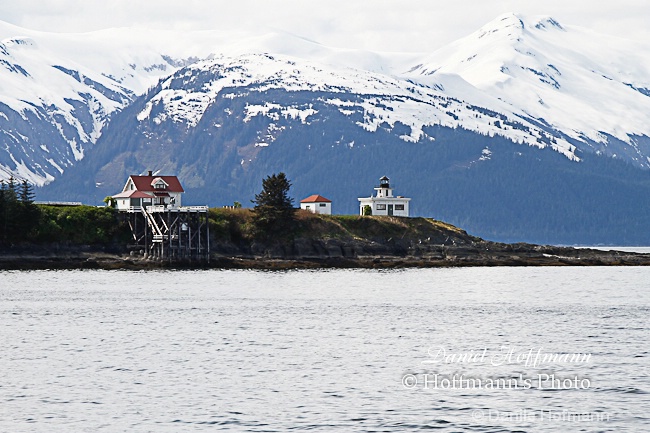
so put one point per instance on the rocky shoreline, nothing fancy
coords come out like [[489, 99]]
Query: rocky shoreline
[[329, 254]]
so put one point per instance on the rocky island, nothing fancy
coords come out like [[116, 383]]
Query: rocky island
[[87, 237]]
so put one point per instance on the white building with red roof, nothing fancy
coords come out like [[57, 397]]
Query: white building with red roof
[[317, 204], [149, 190]]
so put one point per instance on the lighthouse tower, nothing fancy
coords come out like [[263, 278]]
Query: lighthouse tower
[[384, 189]]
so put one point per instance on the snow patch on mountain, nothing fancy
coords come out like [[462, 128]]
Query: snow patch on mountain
[[277, 111]]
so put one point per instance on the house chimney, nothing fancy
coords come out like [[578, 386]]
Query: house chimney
[[150, 173]]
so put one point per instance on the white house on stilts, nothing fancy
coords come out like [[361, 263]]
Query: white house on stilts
[[160, 227], [144, 191], [384, 203]]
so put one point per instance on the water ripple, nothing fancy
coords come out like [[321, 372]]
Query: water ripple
[[320, 351]]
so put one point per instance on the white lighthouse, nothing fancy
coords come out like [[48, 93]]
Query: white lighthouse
[[384, 202]]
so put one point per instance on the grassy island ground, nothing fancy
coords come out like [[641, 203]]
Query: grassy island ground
[[94, 237], [236, 225], [100, 226]]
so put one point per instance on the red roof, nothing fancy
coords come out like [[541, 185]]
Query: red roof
[[316, 199], [145, 183]]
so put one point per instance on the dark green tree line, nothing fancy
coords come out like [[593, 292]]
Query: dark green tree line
[[19, 216]]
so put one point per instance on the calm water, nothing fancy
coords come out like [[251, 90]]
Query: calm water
[[565, 349]]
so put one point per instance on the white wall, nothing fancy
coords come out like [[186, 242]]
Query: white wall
[[125, 203], [317, 208], [380, 207]]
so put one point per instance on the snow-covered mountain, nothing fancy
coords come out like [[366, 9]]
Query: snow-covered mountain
[[533, 81], [58, 90], [587, 87], [49, 112], [371, 99]]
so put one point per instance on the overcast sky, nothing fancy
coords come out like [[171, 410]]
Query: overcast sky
[[378, 25]]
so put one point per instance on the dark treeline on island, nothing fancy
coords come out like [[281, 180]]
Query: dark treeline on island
[[18, 214], [25, 224]]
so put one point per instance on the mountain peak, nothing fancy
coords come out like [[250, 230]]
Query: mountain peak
[[514, 24], [511, 24], [548, 23]]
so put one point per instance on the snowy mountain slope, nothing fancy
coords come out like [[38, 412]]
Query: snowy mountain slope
[[380, 101], [287, 44], [49, 112], [52, 108], [58, 90], [131, 58], [592, 88]]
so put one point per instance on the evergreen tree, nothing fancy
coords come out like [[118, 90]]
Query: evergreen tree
[[9, 215], [27, 212], [3, 211], [26, 195], [11, 189], [274, 212]]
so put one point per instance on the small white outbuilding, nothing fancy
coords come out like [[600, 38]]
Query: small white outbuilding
[[317, 204]]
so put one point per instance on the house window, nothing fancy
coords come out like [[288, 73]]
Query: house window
[[160, 185], [322, 204], [399, 207], [381, 207]]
